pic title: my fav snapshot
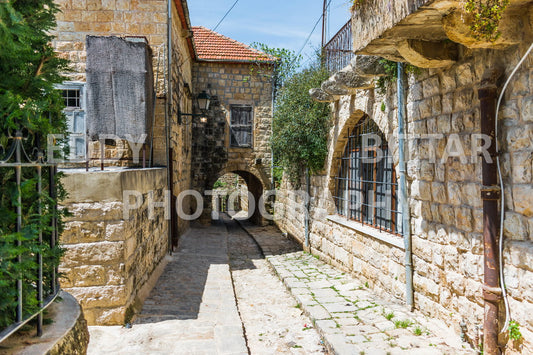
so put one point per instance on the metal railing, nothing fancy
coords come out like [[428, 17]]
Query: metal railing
[[46, 284], [338, 51]]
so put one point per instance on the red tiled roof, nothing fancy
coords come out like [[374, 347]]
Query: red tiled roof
[[212, 46]]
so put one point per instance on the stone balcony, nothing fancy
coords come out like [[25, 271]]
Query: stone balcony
[[429, 34], [426, 34]]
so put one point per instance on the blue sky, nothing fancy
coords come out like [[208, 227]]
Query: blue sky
[[277, 23]]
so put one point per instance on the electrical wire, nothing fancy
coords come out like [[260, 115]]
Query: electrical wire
[[308, 38], [502, 204], [226, 14]]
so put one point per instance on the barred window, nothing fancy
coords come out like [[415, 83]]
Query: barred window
[[366, 184]]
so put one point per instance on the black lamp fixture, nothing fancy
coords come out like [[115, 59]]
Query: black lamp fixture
[[203, 100]]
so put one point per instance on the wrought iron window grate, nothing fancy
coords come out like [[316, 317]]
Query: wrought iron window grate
[[366, 186]]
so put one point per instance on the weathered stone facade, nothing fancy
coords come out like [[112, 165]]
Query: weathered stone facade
[[113, 252], [213, 155], [140, 18], [444, 191], [79, 18], [180, 135]]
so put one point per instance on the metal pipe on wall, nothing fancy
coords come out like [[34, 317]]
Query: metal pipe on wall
[[406, 225], [168, 113], [307, 206], [490, 194]]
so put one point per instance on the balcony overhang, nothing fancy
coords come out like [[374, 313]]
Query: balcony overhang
[[428, 34]]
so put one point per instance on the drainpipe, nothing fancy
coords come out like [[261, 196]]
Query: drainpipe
[[168, 113], [307, 206], [406, 225], [490, 194], [274, 82]]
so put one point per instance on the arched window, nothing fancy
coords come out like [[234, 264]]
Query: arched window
[[366, 184]]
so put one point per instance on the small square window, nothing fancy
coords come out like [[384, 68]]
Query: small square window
[[72, 97]]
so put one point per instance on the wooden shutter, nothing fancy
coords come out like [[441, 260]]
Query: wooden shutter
[[241, 126]]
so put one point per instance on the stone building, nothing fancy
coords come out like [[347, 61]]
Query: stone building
[[116, 240], [356, 206], [111, 261], [235, 136]]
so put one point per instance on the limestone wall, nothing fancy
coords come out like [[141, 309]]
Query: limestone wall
[[109, 259], [233, 84], [180, 135], [147, 18], [444, 196], [79, 18]]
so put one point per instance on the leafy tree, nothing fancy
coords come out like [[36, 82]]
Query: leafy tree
[[29, 69], [289, 62], [301, 125]]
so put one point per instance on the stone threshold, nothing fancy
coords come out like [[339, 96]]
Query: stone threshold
[[348, 315]]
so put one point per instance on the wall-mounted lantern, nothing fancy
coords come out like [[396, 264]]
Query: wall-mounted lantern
[[202, 100]]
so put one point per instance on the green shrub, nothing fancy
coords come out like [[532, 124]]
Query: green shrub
[[29, 69]]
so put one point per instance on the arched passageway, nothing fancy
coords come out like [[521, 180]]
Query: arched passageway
[[238, 190]]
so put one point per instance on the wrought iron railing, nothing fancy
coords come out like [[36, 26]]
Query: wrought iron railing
[[45, 284], [338, 51]]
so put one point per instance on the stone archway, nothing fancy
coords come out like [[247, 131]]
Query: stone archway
[[256, 184]]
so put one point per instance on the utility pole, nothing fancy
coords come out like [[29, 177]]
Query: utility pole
[[324, 22], [324, 31]]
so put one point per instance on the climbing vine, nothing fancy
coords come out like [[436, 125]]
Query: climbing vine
[[487, 16], [391, 73]]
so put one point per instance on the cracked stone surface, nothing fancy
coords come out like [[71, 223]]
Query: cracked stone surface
[[349, 316]]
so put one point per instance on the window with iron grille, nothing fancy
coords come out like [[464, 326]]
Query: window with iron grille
[[366, 184], [241, 126]]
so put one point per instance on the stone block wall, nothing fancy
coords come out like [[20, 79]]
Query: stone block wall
[[232, 83], [79, 18], [180, 134], [147, 18], [109, 258], [444, 194]]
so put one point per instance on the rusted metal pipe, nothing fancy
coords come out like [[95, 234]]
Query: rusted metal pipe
[[490, 194]]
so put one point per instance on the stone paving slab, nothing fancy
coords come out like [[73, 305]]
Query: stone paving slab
[[349, 316], [191, 310]]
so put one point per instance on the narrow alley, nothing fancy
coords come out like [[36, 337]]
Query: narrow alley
[[220, 295], [216, 296]]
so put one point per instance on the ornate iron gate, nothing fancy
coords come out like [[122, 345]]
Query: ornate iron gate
[[46, 285]]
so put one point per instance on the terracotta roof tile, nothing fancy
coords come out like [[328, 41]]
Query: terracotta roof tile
[[213, 46]]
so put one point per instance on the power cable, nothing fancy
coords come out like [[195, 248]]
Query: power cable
[[308, 38], [502, 200], [226, 14]]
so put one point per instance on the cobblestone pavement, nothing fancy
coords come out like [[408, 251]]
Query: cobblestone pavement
[[273, 323], [351, 319], [193, 309]]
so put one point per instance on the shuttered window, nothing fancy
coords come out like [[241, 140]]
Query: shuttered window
[[241, 126]]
